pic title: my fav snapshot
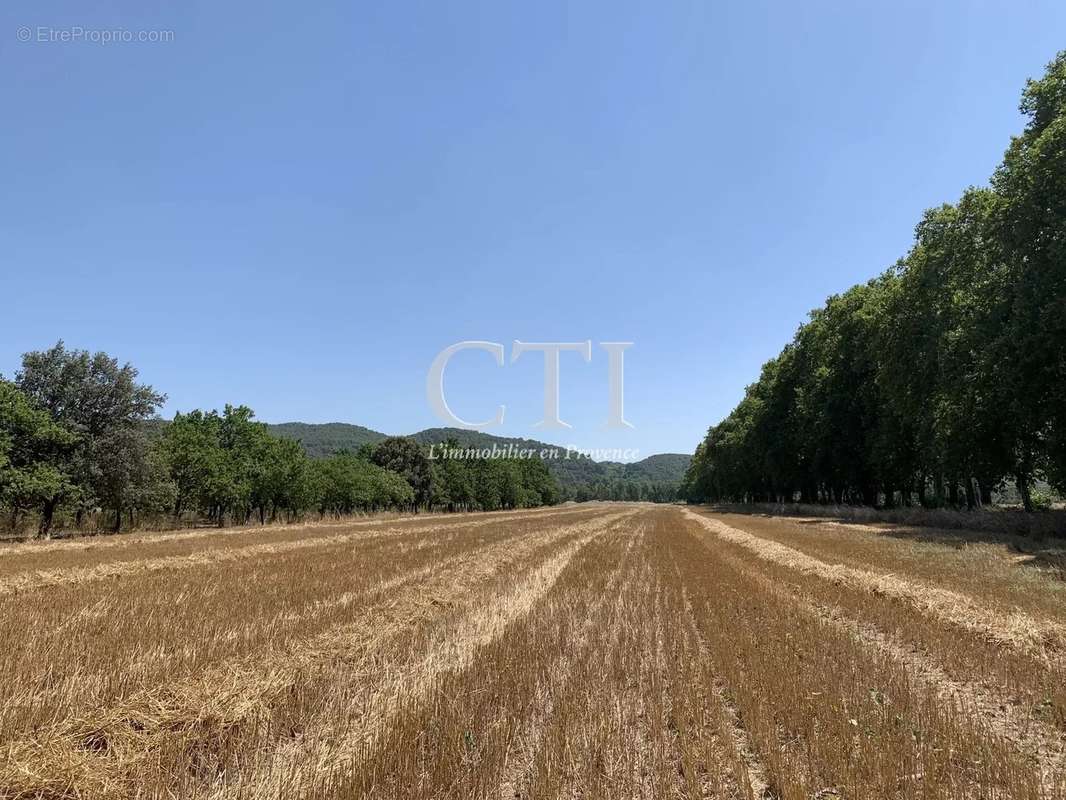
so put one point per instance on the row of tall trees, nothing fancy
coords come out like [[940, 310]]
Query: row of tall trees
[[937, 381], [80, 441], [626, 489], [491, 483]]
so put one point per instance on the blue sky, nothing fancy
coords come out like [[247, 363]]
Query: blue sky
[[296, 208]]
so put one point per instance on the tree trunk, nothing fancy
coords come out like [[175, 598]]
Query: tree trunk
[[971, 500], [1024, 490], [986, 492], [118, 520], [869, 496], [47, 516]]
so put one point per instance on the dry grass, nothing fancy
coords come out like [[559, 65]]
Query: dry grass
[[603, 651], [1041, 637], [1015, 655]]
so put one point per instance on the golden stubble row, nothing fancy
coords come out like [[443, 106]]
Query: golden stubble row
[[1008, 573], [191, 732], [70, 649]]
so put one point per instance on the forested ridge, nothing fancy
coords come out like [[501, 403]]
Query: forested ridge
[[579, 476], [326, 439], [940, 380]]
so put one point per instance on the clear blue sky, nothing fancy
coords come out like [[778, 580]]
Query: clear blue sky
[[297, 207]]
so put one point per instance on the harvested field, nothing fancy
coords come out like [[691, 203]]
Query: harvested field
[[589, 651]]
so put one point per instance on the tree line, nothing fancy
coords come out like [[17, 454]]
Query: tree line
[[941, 379], [627, 489], [81, 444]]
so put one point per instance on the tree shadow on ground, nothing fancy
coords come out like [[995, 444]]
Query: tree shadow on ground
[[1042, 551]]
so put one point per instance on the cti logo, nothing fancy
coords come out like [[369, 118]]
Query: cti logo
[[551, 350]]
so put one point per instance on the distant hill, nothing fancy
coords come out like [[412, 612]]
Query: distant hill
[[664, 467], [324, 440]]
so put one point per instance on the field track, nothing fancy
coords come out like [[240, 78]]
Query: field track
[[584, 651]]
